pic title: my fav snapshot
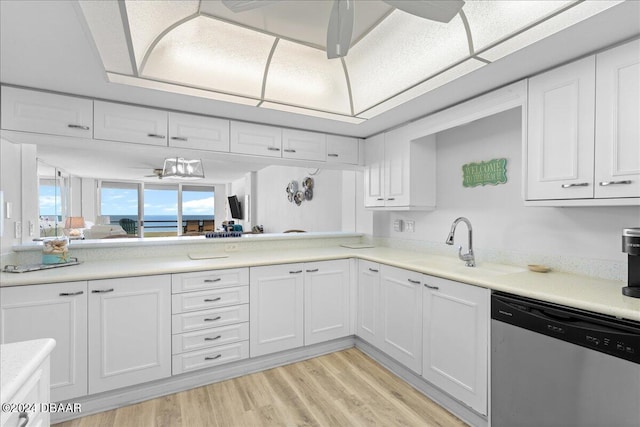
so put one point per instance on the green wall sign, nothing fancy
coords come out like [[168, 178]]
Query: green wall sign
[[492, 172]]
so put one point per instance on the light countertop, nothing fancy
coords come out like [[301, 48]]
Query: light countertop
[[588, 293], [18, 361]]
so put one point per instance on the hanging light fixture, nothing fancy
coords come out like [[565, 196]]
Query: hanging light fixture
[[180, 168]]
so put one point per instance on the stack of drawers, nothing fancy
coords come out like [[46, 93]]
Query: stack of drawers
[[210, 318]]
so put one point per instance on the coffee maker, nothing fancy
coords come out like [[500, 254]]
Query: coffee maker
[[631, 246]]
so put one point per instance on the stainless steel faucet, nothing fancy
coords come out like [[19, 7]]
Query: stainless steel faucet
[[468, 258]]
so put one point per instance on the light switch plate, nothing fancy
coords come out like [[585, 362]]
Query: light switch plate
[[410, 226], [398, 225]]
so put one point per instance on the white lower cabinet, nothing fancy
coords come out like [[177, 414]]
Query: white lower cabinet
[[129, 331], [456, 331], [367, 326], [58, 311]]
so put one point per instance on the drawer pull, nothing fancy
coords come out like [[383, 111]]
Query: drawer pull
[[315, 270], [605, 183], [155, 135], [332, 155], [25, 419], [289, 150], [212, 300], [81, 127], [212, 280], [415, 282], [391, 198], [212, 320], [273, 149], [213, 339], [179, 138], [213, 357], [431, 287], [373, 270], [579, 184], [71, 294], [295, 272], [380, 199], [101, 291]]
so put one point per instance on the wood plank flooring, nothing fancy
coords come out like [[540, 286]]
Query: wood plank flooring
[[346, 388]]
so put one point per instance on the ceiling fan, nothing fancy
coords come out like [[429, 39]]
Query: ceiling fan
[[157, 173], [340, 27]]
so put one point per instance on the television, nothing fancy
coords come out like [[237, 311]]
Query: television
[[235, 206]]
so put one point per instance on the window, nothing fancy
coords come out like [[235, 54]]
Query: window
[[120, 202], [160, 210], [198, 207]]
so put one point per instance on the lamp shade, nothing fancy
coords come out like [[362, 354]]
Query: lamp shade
[[177, 167], [74, 222]]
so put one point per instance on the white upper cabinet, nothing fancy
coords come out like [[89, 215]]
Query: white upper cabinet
[[127, 123], [42, 112], [342, 149], [198, 132], [303, 145], [560, 132], [400, 171], [260, 140], [617, 163]]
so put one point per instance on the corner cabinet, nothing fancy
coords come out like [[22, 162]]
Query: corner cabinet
[[456, 340], [129, 331], [583, 130], [367, 326], [58, 311], [400, 172]]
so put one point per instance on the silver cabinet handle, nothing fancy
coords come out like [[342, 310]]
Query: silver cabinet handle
[[273, 149], [295, 272], [431, 287], [313, 271], [579, 184], [415, 282], [213, 339], [605, 183], [81, 127], [71, 294], [212, 280], [332, 155], [213, 357], [391, 198], [155, 135], [373, 270], [25, 419], [212, 320], [101, 291], [213, 300], [380, 199], [179, 138], [289, 150]]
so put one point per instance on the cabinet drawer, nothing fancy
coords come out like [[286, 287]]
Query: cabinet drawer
[[202, 280], [210, 338], [209, 318], [211, 357], [192, 301]]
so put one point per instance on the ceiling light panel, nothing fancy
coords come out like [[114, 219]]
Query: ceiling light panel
[[400, 52], [302, 76], [491, 20], [105, 24], [148, 19], [211, 54]]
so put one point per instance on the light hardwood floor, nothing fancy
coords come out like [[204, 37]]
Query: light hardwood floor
[[346, 388]]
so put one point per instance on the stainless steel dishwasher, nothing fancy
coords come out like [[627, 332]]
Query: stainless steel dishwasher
[[558, 366]]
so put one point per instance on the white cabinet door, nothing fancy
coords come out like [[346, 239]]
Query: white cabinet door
[[617, 163], [456, 328], [368, 322], [57, 311], [42, 112], [129, 331], [303, 145], [374, 171], [326, 300], [260, 140], [342, 149], [198, 132], [128, 123], [401, 316], [276, 320], [560, 143], [397, 168]]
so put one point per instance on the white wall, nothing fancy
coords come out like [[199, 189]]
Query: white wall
[[277, 214], [499, 219]]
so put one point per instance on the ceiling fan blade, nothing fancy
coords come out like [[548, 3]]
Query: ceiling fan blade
[[436, 10], [244, 5], [340, 28]]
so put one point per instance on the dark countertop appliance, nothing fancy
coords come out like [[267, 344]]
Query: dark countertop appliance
[[631, 246]]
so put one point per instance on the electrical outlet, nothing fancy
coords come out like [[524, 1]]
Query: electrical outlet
[[410, 226], [398, 225], [17, 227], [231, 247]]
